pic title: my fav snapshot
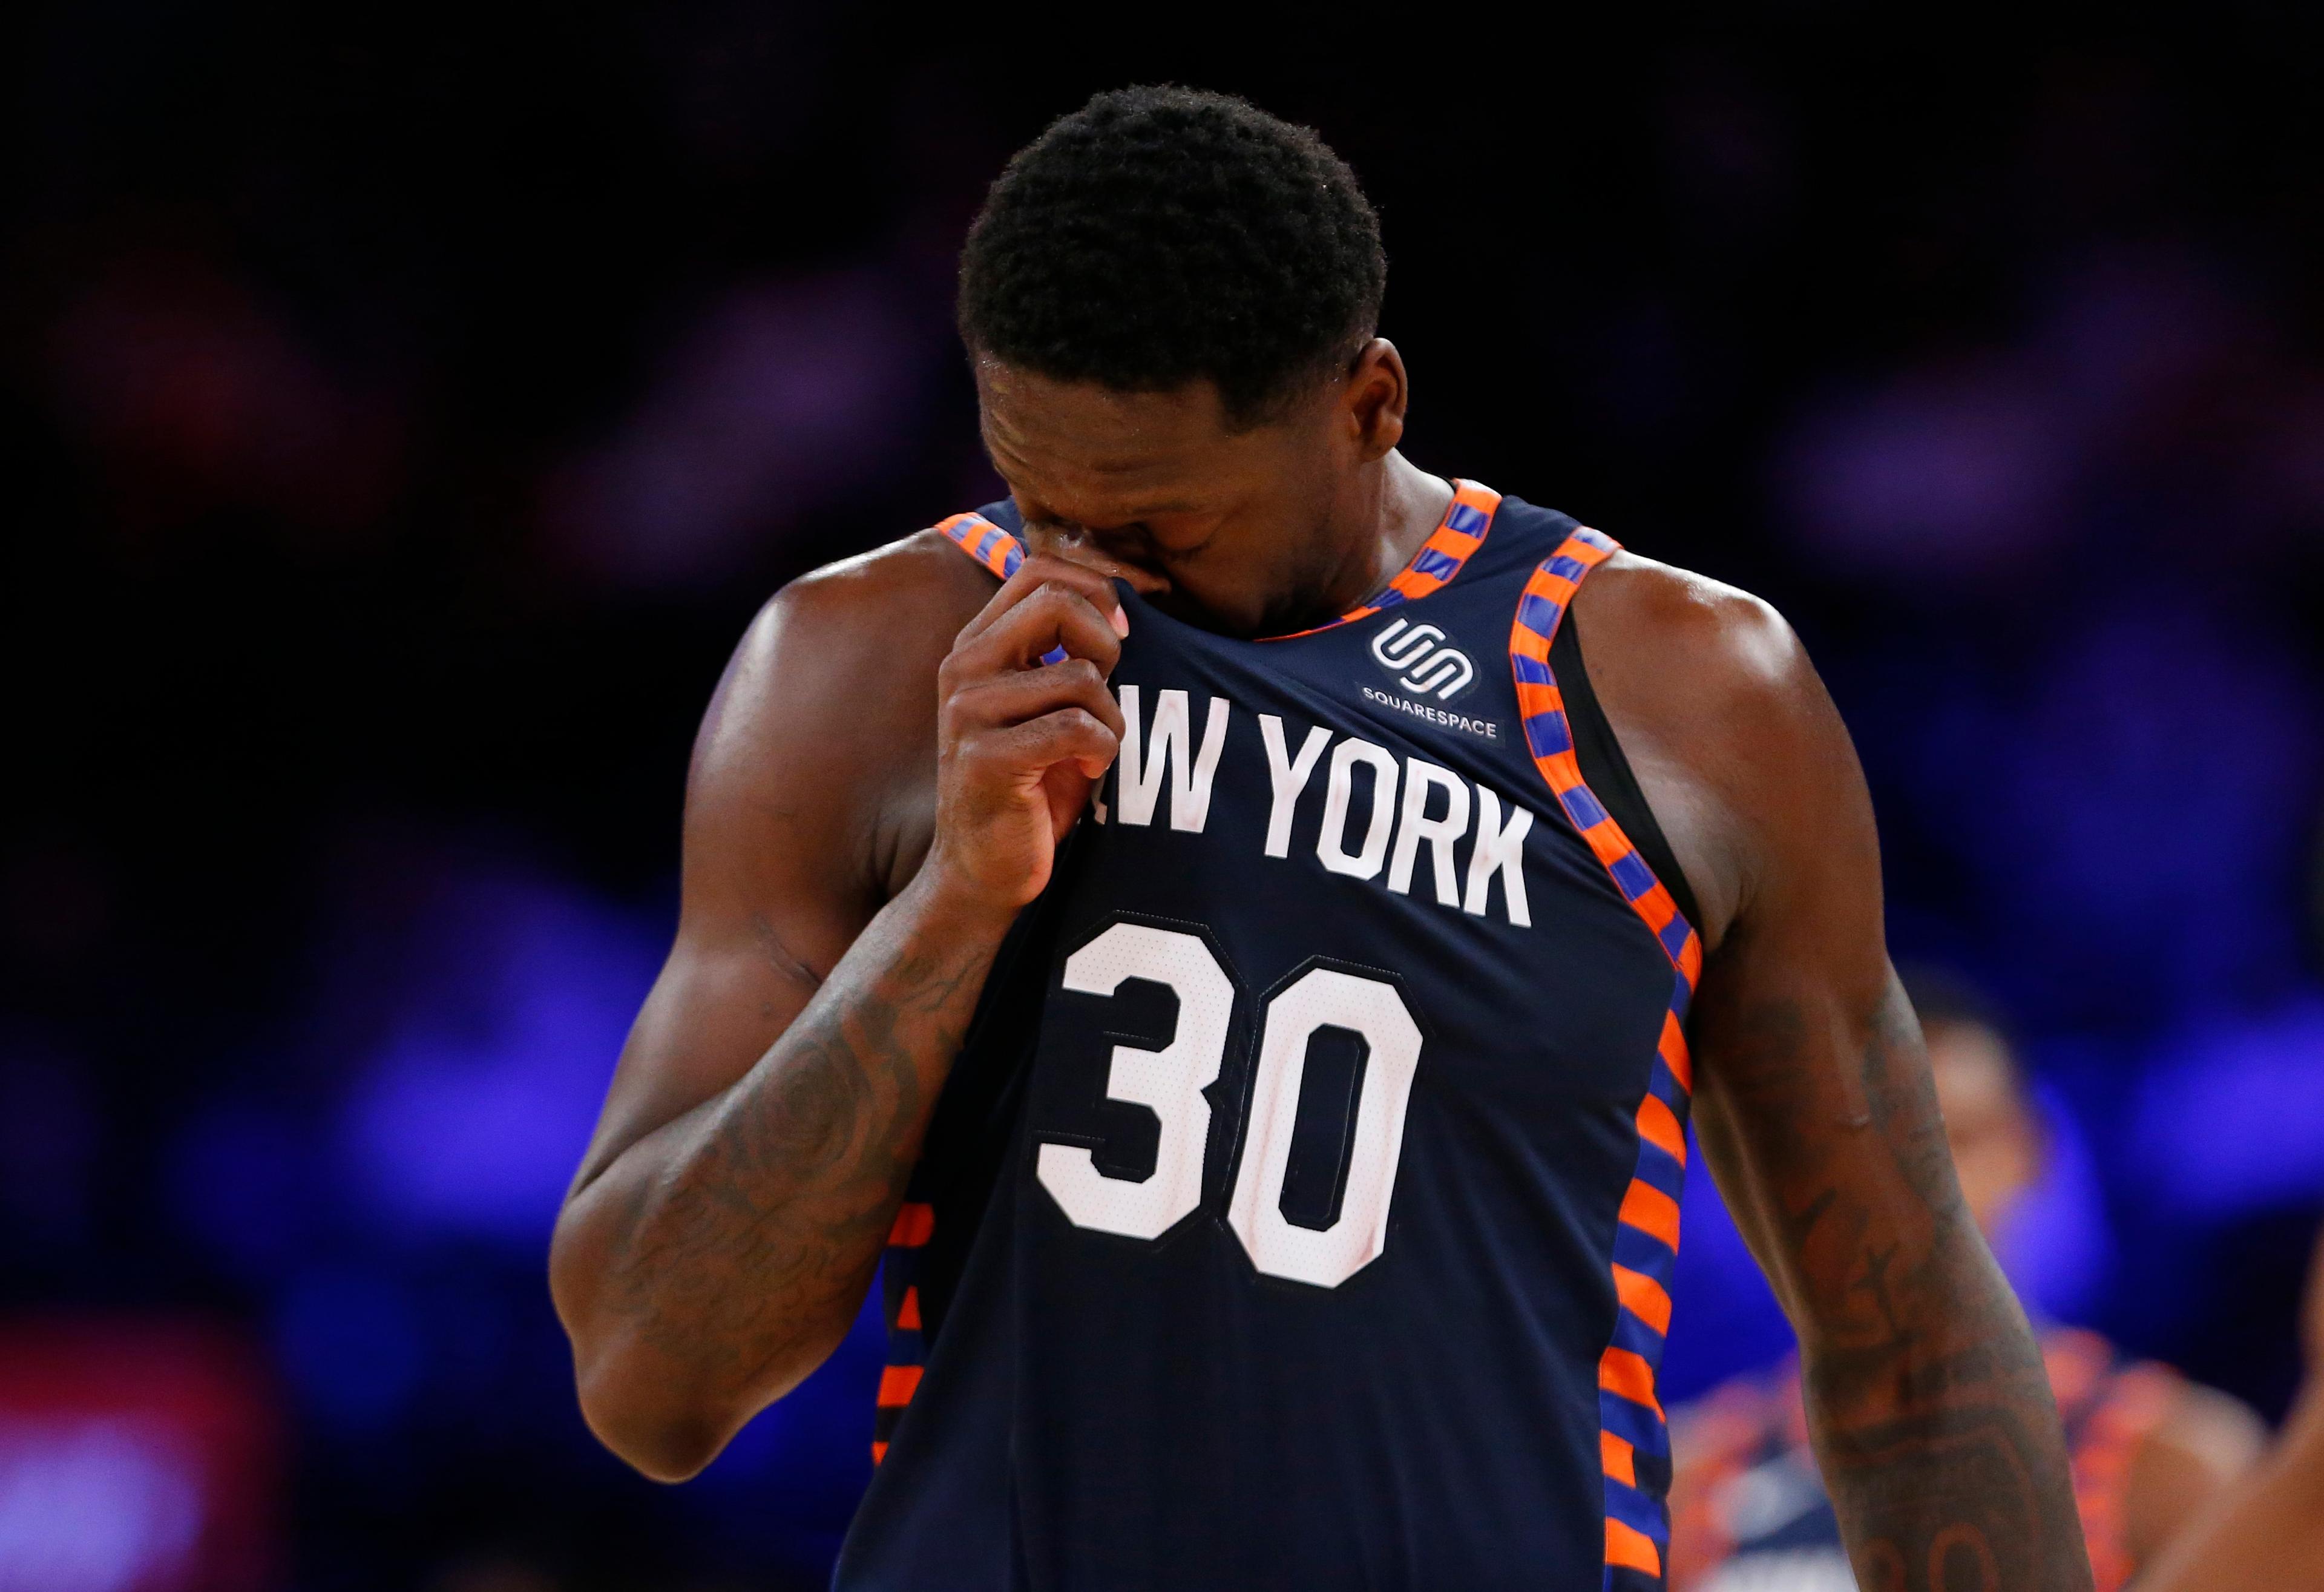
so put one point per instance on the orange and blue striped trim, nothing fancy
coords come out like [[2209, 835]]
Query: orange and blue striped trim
[[995, 549], [984, 541], [908, 1347], [1645, 1236], [1468, 518], [1461, 532]]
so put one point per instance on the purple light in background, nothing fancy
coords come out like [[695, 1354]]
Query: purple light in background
[[138, 1453], [784, 398], [2235, 1122], [349, 1340], [96, 1503], [242, 1179], [1944, 474], [2144, 808], [473, 1114], [2136, 362], [2121, 809], [2130, 336]]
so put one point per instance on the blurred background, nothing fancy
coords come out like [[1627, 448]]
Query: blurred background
[[406, 408]]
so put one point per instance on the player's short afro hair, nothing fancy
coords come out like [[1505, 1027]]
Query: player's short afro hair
[[1159, 236]]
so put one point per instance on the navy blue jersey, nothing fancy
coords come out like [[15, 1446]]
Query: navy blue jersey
[[1301, 1208]]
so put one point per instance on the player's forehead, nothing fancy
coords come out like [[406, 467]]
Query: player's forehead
[[1082, 444]]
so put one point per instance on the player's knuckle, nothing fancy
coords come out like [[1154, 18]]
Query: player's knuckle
[[1099, 705], [963, 664], [986, 752], [1069, 578], [969, 708], [1063, 597]]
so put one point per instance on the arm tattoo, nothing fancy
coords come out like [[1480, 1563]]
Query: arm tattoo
[[1932, 1416], [773, 1213]]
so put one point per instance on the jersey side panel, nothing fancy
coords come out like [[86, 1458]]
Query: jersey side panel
[[1634, 1436]]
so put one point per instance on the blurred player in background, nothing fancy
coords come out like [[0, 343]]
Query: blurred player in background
[[2150, 1449]]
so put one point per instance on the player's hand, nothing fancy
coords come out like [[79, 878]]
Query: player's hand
[[1020, 744]]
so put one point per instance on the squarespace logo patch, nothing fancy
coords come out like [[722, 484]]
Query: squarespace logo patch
[[1430, 673]]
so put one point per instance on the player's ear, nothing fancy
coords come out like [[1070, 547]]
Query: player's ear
[[1374, 397]]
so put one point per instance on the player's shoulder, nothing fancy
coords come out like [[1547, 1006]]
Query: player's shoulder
[[847, 653], [864, 622], [912, 584], [1702, 662], [1734, 739], [1705, 629]]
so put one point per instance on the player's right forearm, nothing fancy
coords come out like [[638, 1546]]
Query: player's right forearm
[[717, 1261]]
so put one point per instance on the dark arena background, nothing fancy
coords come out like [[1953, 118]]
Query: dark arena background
[[407, 408]]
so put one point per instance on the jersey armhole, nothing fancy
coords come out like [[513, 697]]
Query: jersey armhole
[[1608, 773]]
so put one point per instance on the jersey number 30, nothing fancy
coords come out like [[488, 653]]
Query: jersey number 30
[[1170, 1081]]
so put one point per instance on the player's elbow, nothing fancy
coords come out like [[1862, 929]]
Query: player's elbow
[[667, 1414], [659, 1438], [647, 1410], [665, 1419]]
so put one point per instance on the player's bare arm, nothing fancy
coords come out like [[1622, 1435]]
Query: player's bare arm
[[1933, 1419], [730, 1213]]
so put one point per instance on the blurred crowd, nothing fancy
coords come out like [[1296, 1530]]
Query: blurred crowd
[[410, 406]]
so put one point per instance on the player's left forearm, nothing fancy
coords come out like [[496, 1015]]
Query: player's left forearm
[[1945, 1464], [1932, 1417], [1815, 1111]]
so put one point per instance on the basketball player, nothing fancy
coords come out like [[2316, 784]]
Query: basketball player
[[1202, 921], [2150, 1450]]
